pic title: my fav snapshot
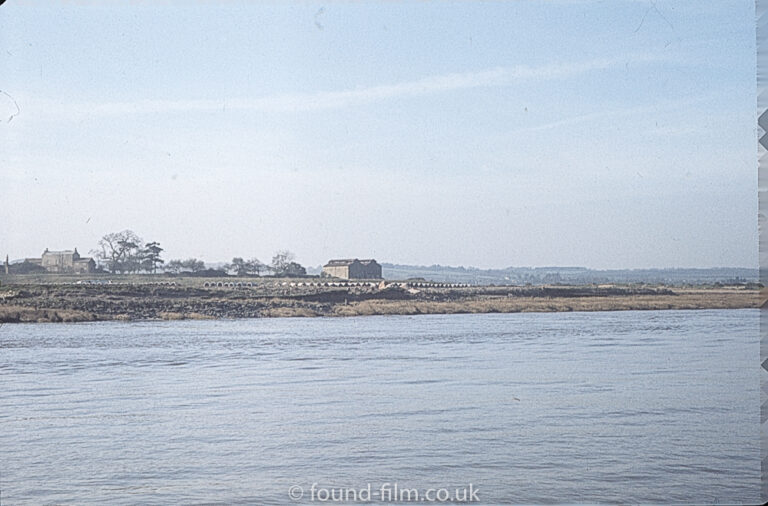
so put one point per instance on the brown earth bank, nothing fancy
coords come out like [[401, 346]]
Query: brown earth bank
[[71, 302]]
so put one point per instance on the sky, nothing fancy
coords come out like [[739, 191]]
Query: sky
[[604, 134]]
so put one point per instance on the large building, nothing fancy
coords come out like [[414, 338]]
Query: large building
[[68, 261], [352, 268]]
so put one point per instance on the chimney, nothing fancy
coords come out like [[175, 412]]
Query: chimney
[[6, 264]]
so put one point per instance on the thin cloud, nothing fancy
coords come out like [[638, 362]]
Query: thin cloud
[[627, 111], [301, 102]]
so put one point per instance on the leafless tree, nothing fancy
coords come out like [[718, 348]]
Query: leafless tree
[[118, 251]]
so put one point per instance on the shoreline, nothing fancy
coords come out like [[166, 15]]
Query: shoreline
[[237, 318], [66, 303]]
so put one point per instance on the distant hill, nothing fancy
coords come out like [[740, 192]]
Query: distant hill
[[568, 275]]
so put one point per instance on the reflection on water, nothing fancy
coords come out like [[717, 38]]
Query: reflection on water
[[655, 406]]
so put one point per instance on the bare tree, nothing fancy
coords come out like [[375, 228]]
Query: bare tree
[[255, 266], [238, 267], [119, 251], [283, 264], [281, 261]]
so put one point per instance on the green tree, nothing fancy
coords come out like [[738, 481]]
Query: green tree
[[241, 267], [150, 257], [295, 269], [174, 266], [177, 266], [193, 265]]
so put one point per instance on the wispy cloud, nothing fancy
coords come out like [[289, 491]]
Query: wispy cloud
[[299, 102], [660, 106]]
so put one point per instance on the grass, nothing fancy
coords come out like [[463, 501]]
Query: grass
[[283, 312], [21, 314], [704, 299], [170, 315]]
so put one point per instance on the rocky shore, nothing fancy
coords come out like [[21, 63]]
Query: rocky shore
[[71, 302]]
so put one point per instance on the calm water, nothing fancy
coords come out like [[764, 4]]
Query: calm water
[[622, 406]]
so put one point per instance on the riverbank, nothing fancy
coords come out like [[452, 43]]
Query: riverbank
[[72, 302]]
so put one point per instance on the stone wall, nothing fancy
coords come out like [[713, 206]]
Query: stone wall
[[337, 271]]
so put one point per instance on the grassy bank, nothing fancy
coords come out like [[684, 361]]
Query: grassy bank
[[47, 299], [703, 299]]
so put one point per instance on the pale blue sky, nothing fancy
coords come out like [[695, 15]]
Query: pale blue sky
[[609, 134]]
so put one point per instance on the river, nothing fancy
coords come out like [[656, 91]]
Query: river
[[632, 406]]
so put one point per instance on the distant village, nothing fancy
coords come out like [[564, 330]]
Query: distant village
[[125, 253]]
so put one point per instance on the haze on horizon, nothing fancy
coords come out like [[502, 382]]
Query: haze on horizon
[[489, 134]]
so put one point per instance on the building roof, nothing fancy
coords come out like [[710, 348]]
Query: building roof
[[340, 262]]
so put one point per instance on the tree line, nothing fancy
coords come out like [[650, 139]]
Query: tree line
[[126, 253]]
